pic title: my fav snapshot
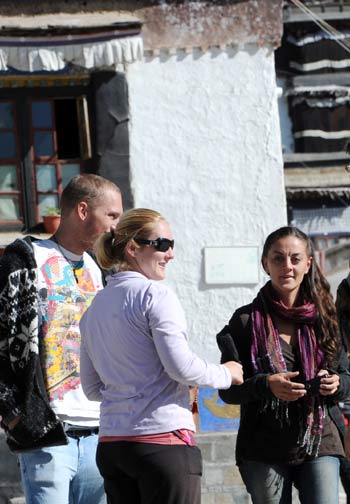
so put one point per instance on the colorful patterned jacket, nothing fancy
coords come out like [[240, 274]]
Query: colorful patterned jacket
[[22, 389]]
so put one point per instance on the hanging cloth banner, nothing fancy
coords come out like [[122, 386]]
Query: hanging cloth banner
[[320, 125], [104, 50], [318, 52]]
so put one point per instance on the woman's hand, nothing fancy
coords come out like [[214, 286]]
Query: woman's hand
[[330, 384], [236, 371], [283, 388]]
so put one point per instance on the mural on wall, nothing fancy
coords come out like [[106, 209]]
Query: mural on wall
[[214, 414]]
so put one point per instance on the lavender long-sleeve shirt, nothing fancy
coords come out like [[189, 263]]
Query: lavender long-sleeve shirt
[[135, 358]]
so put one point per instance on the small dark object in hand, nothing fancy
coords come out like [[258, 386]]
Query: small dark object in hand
[[313, 386]]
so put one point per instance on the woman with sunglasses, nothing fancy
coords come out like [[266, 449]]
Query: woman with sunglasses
[[295, 373], [135, 359]]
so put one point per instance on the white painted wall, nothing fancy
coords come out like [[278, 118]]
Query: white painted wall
[[206, 152], [287, 137]]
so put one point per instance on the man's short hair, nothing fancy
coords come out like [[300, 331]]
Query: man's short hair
[[86, 187]]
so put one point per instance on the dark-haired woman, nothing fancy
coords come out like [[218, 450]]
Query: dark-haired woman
[[295, 372]]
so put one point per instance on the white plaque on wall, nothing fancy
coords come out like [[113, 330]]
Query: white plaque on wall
[[231, 265]]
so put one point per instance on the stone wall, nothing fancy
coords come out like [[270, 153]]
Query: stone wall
[[221, 481]]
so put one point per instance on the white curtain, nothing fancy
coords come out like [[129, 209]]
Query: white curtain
[[115, 53]]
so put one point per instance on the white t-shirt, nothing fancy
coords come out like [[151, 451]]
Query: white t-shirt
[[67, 285]]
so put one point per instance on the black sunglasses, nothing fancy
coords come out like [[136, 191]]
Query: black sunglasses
[[161, 244]]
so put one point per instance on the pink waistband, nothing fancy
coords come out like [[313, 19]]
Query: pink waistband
[[178, 437]]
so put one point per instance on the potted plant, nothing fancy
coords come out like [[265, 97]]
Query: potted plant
[[52, 219]]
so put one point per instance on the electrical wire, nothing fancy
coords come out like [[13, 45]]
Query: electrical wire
[[335, 34]]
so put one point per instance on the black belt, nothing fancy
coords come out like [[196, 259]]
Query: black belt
[[77, 433]]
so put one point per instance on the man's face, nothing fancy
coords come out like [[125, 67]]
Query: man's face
[[104, 216]]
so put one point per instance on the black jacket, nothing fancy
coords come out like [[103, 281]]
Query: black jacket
[[342, 304], [234, 342], [22, 389]]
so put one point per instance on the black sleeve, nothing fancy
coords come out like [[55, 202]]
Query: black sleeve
[[342, 304], [234, 343], [343, 371], [19, 262], [9, 392]]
